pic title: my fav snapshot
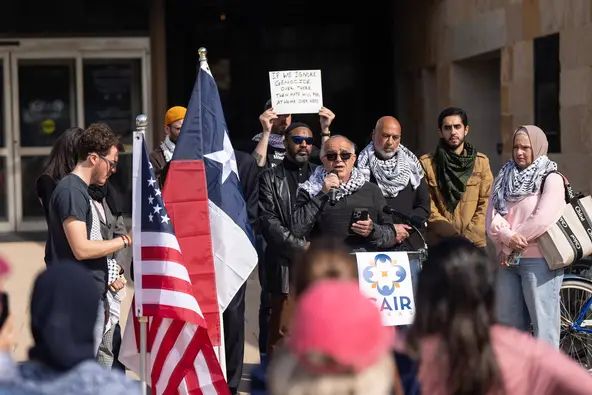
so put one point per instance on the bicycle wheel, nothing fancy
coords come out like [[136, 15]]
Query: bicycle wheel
[[576, 321]]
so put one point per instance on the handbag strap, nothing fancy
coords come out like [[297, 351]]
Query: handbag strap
[[569, 193]]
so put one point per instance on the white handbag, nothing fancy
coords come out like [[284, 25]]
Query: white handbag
[[570, 238]]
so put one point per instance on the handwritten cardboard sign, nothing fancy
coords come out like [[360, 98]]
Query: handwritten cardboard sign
[[385, 278], [296, 91]]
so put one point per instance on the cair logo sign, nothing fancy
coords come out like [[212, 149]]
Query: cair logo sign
[[386, 276]]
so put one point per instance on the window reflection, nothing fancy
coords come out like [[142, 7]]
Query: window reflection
[[46, 100]]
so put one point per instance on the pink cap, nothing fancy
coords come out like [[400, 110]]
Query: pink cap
[[336, 328]]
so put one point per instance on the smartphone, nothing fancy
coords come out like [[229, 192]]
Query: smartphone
[[514, 258], [359, 214], [4, 308]]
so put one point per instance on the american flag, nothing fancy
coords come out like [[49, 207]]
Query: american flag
[[181, 358]]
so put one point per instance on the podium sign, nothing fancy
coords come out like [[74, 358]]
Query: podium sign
[[385, 278]]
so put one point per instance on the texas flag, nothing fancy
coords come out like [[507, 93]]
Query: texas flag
[[204, 200]]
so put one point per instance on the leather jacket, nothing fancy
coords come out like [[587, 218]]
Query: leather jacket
[[275, 220]]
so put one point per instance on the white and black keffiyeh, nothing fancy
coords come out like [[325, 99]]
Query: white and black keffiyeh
[[314, 184], [168, 147], [392, 175], [513, 184], [275, 140]]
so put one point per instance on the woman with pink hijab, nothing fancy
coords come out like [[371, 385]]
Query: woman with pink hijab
[[520, 210]]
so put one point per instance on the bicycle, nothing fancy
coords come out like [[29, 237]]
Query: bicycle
[[576, 314]]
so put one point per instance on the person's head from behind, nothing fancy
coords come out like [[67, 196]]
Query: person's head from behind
[[455, 302], [325, 259], [453, 127], [338, 155], [64, 306], [63, 156], [337, 345], [281, 123], [386, 136], [173, 121], [298, 142], [97, 149]]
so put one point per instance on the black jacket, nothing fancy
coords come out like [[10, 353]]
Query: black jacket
[[276, 205], [314, 216], [412, 203]]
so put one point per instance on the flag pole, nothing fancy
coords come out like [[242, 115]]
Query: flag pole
[[139, 134], [143, 374], [220, 350]]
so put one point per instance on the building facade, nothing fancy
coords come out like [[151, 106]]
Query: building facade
[[508, 63]]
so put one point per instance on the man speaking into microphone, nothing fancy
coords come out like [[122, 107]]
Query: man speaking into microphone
[[337, 202]]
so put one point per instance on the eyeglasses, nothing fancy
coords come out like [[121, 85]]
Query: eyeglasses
[[112, 163], [299, 139], [332, 156]]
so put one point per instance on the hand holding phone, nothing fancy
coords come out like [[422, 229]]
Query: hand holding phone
[[361, 223]]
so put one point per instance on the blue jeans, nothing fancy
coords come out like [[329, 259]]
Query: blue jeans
[[529, 294]]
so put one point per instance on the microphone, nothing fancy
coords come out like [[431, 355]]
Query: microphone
[[413, 220], [333, 191]]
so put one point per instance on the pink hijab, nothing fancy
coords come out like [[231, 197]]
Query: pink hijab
[[538, 139]]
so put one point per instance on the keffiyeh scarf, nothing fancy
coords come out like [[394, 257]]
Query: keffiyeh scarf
[[168, 147], [314, 184], [275, 140], [513, 184], [392, 175]]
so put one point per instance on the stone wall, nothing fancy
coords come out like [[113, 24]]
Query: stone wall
[[437, 38]]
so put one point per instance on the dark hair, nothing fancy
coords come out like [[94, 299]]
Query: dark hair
[[99, 138], [455, 301], [267, 105], [309, 267], [296, 125], [452, 111], [63, 158]]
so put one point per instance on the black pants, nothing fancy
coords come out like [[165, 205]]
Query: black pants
[[234, 338], [264, 302]]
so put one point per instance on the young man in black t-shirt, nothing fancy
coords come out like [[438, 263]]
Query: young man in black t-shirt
[[71, 234]]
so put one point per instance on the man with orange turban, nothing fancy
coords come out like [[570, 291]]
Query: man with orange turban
[[161, 155]]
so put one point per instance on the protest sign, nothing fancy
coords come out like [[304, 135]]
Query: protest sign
[[385, 278], [296, 91]]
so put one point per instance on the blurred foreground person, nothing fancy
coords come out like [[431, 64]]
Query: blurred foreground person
[[63, 314], [337, 346], [461, 348]]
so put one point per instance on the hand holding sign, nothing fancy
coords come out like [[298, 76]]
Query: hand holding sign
[[296, 91]]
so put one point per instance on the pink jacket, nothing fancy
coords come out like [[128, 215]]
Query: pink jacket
[[530, 217], [527, 366]]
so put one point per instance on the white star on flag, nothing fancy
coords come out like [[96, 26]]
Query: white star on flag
[[226, 158], [151, 182], [150, 217], [157, 192], [157, 209], [165, 219], [150, 199]]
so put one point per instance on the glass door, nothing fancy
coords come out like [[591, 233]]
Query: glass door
[[45, 103], [51, 85]]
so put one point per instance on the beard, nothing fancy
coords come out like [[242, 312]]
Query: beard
[[382, 154], [454, 145], [300, 157]]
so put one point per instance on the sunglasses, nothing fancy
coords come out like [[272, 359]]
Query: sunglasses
[[332, 156], [299, 139]]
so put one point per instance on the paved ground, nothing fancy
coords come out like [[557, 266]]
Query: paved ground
[[26, 259]]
